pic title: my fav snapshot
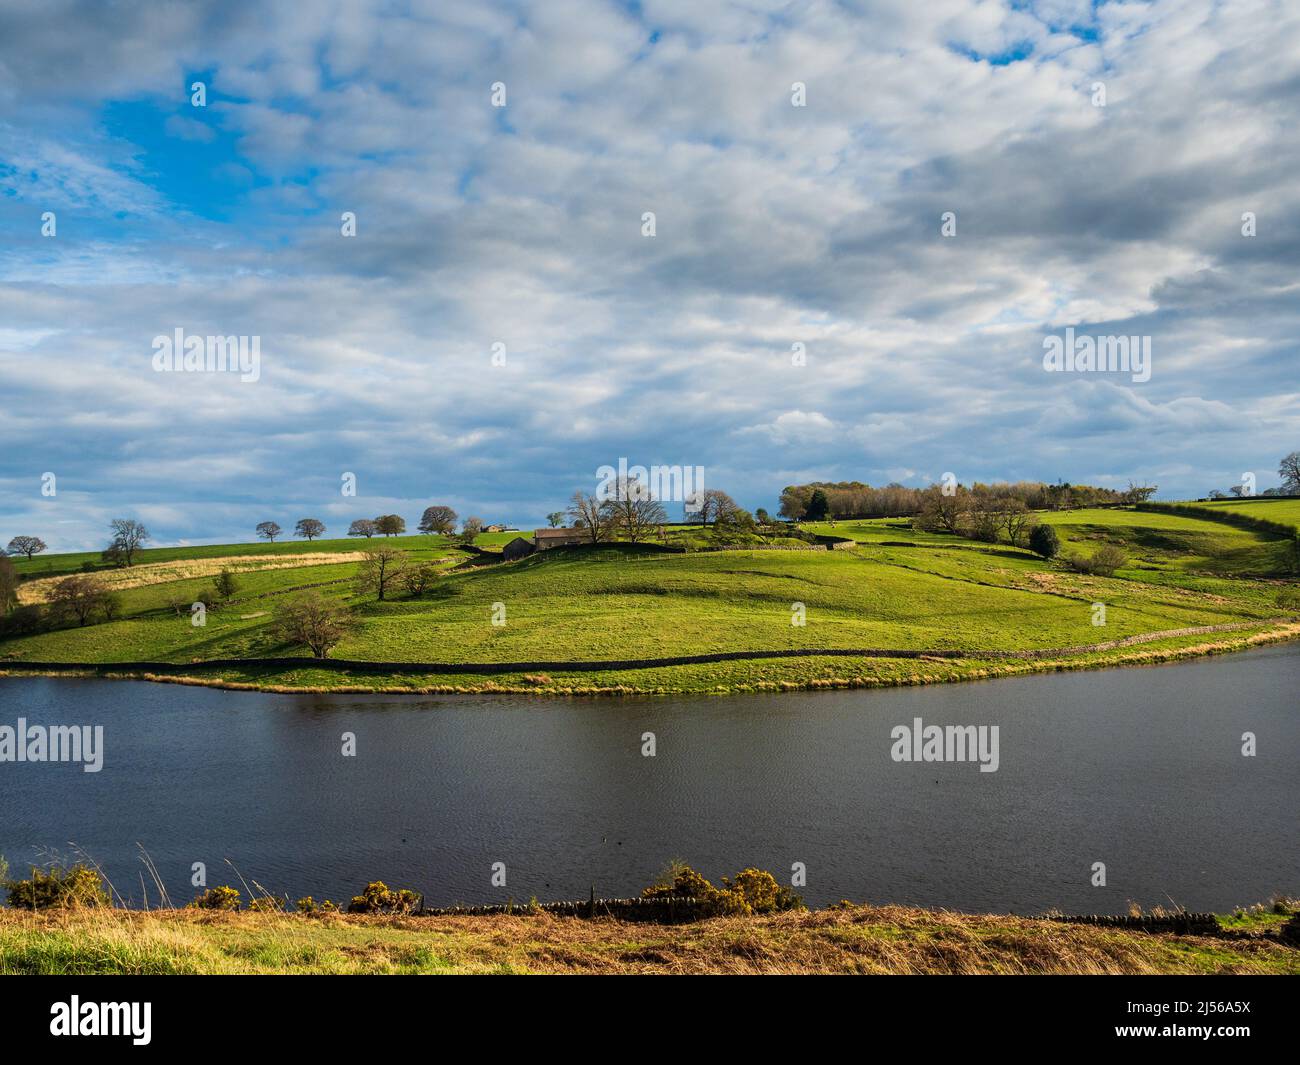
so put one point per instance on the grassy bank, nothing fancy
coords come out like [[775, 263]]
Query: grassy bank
[[859, 939], [897, 589]]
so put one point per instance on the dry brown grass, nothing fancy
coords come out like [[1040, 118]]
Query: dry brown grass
[[38, 591], [859, 939]]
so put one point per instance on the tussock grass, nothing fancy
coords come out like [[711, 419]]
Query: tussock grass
[[857, 939]]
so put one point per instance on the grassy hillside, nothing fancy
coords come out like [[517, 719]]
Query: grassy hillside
[[1286, 511], [858, 939], [74, 562], [898, 589]]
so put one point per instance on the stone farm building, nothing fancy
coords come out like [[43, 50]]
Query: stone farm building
[[543, 539]]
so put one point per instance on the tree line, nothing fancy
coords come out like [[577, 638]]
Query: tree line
[[822, 500], [436, 520]]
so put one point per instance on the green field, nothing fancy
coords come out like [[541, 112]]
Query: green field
[[1286, 511], [897, 589]]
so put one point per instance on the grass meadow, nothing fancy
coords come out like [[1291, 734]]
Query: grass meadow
[[896, 589]]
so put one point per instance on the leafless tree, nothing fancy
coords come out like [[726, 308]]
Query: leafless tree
[[269, 530], [310, 528], [438, 519], [715, 504], [1017, 520], [633, 511], [26, 545], [591, 515], [1140, 493], [1289, 470], [391, 524], [78, 597], [471, 527], [362, 527], [379, 568], [313, 620], [129, 536], [940, 512]]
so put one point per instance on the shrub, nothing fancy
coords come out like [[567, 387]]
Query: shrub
[[379, 898], [23, 621], [1289, 598], [750, 891], [58, 888], [313, 620], [267, 904], [309, 907], [112, 606], [760, 893], [1044, 541], [419, 579], [217, 898], [1102, 563], [225, 585]]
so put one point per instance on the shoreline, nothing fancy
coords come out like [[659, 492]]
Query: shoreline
[[963, 666]]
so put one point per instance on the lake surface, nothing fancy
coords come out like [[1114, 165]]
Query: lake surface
[[1138, 768]]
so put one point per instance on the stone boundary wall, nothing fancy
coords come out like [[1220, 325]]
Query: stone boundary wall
[[1183, 924]]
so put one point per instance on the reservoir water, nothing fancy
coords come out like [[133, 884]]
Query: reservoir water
[[1140, 769]]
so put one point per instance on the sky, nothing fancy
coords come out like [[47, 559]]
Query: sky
[[918, 194]]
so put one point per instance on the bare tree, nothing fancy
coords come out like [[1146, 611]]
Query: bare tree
[[1289, 470], [129, 536], [309, 527], [362, 527], [1017, 520], [633, 511], [941, 512], [391, 524], [1139, 493], [986, 518], [439, 519], [380, 567], [313, 620], [715, 504], [591, 514], [77, 596], [26, 545], [471, 527], [269, 530]]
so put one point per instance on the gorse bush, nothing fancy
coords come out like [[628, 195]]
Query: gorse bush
[[379, 898], [749, 892], [58, 888], [309, 907], [217, 898]]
